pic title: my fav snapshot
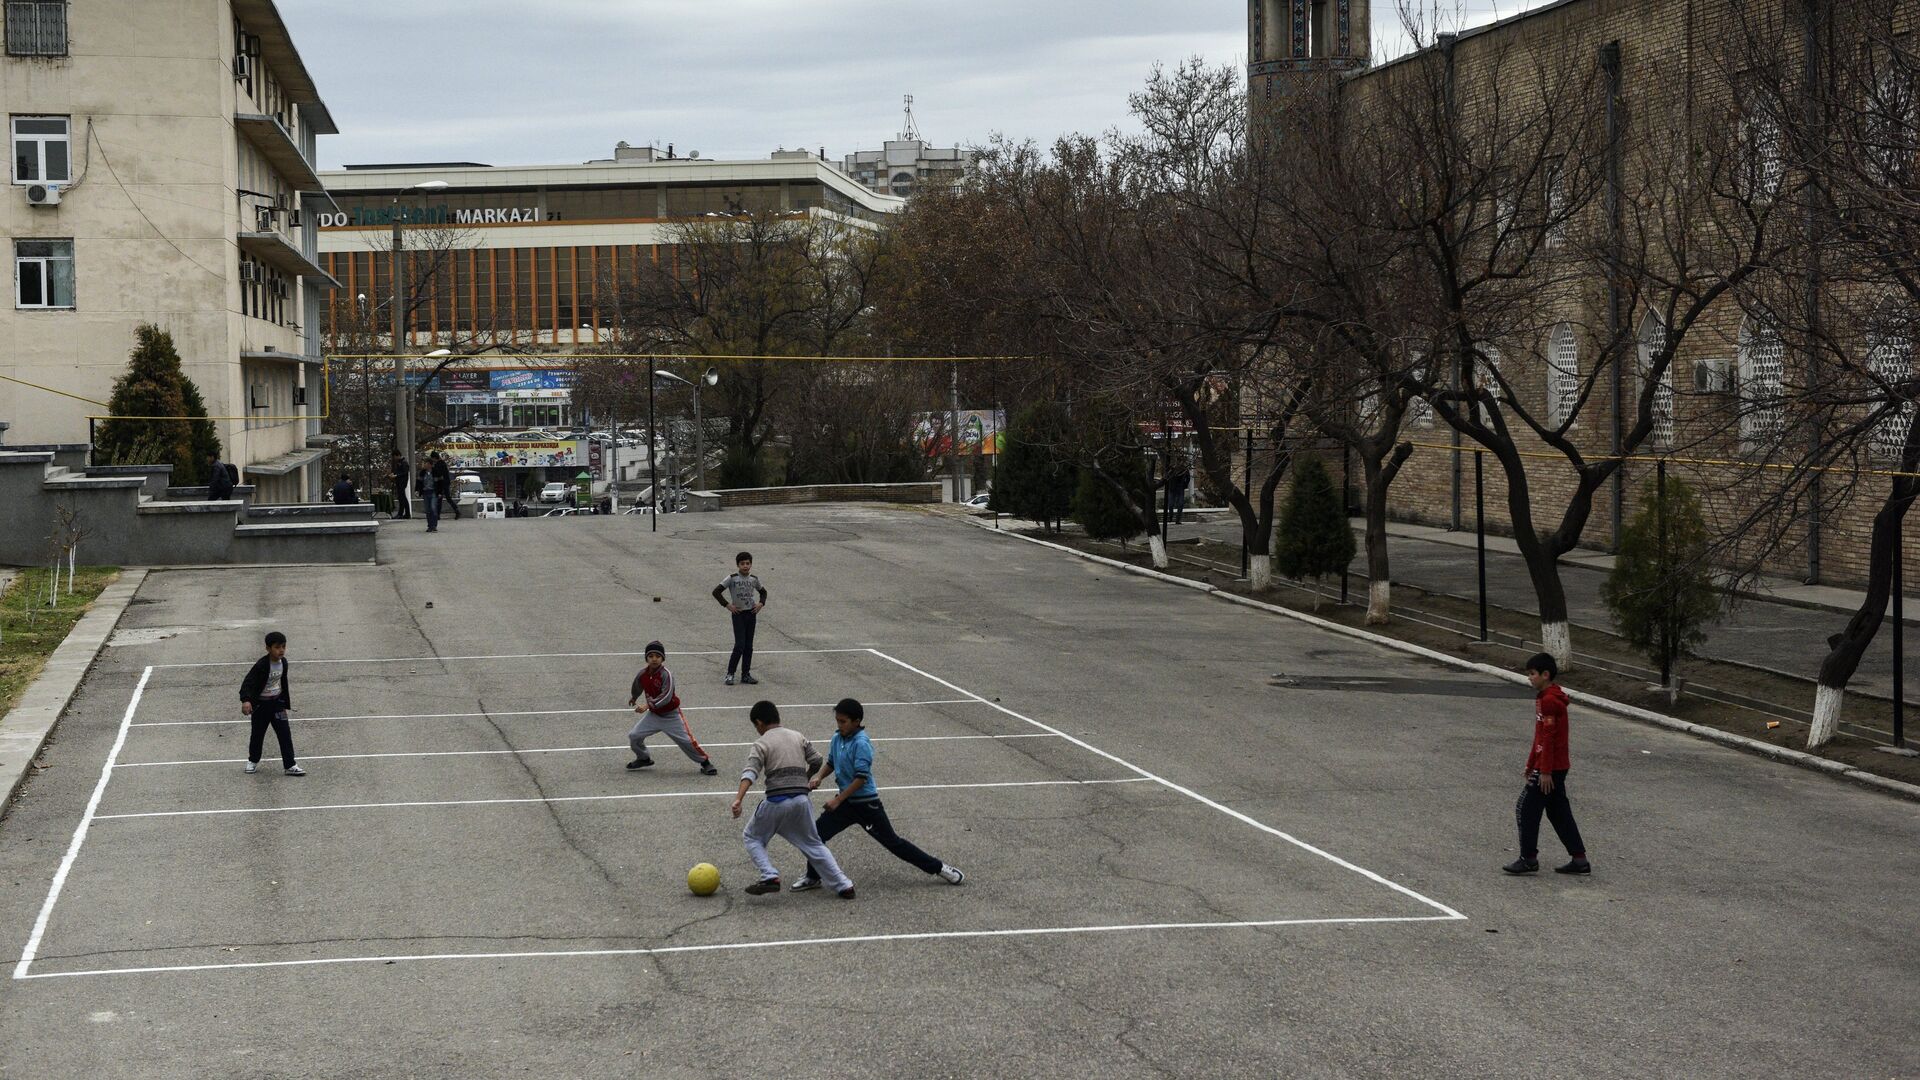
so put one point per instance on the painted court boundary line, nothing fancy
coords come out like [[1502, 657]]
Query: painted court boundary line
[[507, 656], [79, 835], [744, 946], [575, 798], [1188, 792], [552, 750], [544, 712]]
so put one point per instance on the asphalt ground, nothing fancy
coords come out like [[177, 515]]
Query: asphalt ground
[[1173, 866]]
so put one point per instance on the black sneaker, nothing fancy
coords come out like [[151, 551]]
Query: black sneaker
[[846, 894], [1577, 866], [748, 680], [1522, 866], [639, 763], [707, 769], [763, 887]]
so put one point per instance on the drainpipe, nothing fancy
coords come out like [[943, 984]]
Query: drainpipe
[[1616, 299]]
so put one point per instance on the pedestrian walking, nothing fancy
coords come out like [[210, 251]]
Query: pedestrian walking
[[1177, 486], [219, 483], [782, 759], [1546, 773], [424, 484], [743, 596], [653, 697], [402, 505], [850, 759], [443, 485], [266, 698]]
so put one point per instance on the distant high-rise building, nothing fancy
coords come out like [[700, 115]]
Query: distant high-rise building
[[907, 162]]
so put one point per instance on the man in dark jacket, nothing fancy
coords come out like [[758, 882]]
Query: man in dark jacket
[[219, 484], [443, 485], [343, 493], [424, 486], [265, 696], [402, 506]]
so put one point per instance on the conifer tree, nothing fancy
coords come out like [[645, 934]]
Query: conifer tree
[[1315, 539], [155, 385]]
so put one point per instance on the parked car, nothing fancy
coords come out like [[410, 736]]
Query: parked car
[[980, 501], [555, 492], [563, 511], [489, 507]]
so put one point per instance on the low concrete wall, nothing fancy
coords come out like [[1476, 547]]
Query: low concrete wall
[[919, 492], [68, 455], [157, 477]]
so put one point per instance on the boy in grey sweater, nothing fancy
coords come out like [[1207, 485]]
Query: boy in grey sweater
[[783, 760], [743, 596]]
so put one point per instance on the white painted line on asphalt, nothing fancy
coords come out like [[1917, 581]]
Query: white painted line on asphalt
[[509, 656], [551, 712], [742, 946], [580, 798], [79, 835], [1189, 792], [554, 750]]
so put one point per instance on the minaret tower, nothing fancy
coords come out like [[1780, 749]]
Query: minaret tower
[[1294, 43]]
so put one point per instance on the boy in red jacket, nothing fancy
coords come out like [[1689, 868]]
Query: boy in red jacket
[[1547, 776], [660, 713]]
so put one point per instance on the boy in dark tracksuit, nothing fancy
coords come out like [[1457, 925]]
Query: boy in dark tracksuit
[[850, 758], [265, 696], [1546, 774], [743, 595]]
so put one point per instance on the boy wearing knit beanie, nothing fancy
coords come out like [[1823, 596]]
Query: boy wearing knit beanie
[[654, 698]]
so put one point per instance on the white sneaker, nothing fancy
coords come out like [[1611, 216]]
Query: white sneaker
[[295, 770], [952, 874], [253, 766]]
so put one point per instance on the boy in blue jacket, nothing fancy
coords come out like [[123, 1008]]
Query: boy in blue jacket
[[850, 756]]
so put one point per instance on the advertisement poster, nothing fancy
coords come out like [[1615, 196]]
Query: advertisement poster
[[453, 379], [532, 380], [982, 431], [509, 455]]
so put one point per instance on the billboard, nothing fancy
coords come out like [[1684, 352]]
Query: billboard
[[531, 380], [982, 431], [510, 455], [452, 379]]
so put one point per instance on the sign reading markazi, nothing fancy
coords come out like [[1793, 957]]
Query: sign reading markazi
[[361, 217]]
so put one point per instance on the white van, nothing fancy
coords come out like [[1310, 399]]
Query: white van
[[489, 506]]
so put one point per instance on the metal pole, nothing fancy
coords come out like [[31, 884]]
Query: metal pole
[[1666, 612], [1248, 484], [699, 440], [1346, 509], [396, 270], [1480, 531], [653, 454], [953, 434], [1899, 639]]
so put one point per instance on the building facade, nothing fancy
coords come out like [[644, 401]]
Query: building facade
[[163, 172]]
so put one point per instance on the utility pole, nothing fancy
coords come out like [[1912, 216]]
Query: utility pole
[[953, 424], [396, 274]]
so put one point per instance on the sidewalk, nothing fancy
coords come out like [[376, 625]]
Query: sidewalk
[[1783, 631]]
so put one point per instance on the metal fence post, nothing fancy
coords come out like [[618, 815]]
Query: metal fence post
[[1346, 508], [1899, 638], [1667, 612], [1248, 485], [1480, 531]]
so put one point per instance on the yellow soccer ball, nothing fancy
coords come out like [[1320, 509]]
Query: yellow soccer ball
[[704, 879]]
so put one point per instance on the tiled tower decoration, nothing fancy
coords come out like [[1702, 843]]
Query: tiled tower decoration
[[1291, 43]]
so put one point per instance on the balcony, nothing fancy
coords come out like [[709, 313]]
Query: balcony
[[278, 252], [276, 144]]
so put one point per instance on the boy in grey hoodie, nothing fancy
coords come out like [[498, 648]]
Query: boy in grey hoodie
[[783, 760]]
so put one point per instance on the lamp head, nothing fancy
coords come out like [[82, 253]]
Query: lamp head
[[430, 185], [712, 377]]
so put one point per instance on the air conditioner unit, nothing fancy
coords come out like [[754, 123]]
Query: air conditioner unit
[[1713, 376], [249, 271], [43, 194], [263, 219], [294, 220], [242, 68]]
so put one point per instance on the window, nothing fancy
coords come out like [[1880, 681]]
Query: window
[[40, 150], [1762, 367], [43, 273], [1763, 159], [1563, 375], [1419, 409], [36, 27], [1486, 377], [1555, 201], [1890, 359], [1653, 338], [1887, 132]]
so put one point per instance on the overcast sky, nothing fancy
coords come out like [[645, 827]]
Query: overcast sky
[[508, 82]]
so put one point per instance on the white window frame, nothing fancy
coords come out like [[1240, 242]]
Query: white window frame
[[40, 141], [1563, 374], [1763, 366], [42, 265]]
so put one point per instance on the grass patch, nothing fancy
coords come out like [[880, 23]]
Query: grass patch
[[30, 628]]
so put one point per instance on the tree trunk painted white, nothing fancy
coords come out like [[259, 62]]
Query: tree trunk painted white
[[1379, 602], [1559, 642], [1826, 714], [1260, 572], [1159, 549]]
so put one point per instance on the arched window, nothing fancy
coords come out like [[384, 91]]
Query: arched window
[[1762, 368], [1763, 157], [1563, 374], [1653, 338], [1486, 378], [1419, 409], [1890, 359]]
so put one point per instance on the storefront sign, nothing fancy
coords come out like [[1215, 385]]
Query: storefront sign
[[473, 399], [510, 455], [535, 395], [532, 380], [464, 380], [361, 217]]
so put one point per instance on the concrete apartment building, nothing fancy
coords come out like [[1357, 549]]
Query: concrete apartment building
[[163, 172], [907, 161]]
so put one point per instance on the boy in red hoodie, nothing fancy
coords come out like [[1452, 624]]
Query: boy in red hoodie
[[653, 697], [1547, 776]]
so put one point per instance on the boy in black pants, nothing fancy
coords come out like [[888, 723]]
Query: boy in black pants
[[1546, 774], [850, 760], [264, 696], [743, 595]]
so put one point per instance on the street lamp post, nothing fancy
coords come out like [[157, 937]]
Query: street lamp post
[[710, 377], [402, 407]]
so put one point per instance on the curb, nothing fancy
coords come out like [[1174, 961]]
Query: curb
[[1784, 754], [25, 729]]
